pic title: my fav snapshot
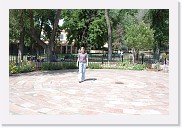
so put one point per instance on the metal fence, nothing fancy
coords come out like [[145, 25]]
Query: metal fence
[[72, 58]]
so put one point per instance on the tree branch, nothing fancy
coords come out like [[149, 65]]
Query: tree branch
[[52, 38], [32, 31]]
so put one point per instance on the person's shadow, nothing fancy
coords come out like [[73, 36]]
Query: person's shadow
[[90, 79]]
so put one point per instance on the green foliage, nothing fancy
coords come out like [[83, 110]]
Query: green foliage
[[139, 36], [86, 27], [157, 66], [95, 66], [24, 66], [15, 26], [55, 66], [126, 63], [13, 68], [70, 65], [164, 55], [118, 21], [128, 66], [167, 56], [124, 66], [51, 66], [117, 15], [159, 19], [139, 67], [97, 33]]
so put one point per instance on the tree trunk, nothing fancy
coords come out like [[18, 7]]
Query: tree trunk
[[157, 52], [135, 55], [37, 46], [20, 52], [52, 38], [109, 34], [49, 47], [32, 31], [22, 35]]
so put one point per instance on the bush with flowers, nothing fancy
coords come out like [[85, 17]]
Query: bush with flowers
[[13, 68], [23, 66]]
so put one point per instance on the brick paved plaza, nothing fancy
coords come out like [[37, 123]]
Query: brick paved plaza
[[105, 91]]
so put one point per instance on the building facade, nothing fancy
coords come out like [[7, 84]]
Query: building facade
[[63, 46]]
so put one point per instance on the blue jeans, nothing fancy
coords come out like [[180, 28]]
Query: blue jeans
[[81, 73]]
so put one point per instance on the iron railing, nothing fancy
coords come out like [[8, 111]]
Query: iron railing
[[72, 58]]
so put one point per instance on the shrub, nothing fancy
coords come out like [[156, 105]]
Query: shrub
[[24, 66], [73, 66], [139, 67], [69, 65], [148, 65], [13, 68], [157, 66], [45, 66], [167, 56], [54, 66], [110, 67], [125, 64], [163, 55], [95, 66], [51, 66]]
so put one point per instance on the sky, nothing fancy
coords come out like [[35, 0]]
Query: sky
[[60, 22]]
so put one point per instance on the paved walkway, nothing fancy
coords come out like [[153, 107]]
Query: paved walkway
[[103, 92]]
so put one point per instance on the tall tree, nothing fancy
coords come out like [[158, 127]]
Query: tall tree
[[14, 31], [14, 23], [54, 24], [109, 34], [138, 35], [117, 23], [97, 33], [17, 30], [22, 33], [86, 27], [53, 34], [159, 19]]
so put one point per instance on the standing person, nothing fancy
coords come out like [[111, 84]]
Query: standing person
[[82, 62]]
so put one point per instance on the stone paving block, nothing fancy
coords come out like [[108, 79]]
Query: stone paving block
[[44, 110], [27, 105], [103, 92]]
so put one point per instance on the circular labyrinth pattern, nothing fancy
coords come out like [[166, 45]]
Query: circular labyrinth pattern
[[103, 92], [135, 84]]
